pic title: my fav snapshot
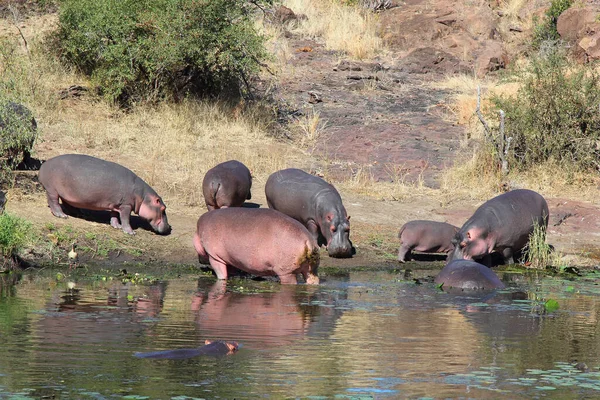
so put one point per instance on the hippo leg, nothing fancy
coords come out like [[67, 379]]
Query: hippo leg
[[219, 267], [124, 213], [508, 256], [404, 253], [314, 230], [55, 207], [114, 220], [288, 279]]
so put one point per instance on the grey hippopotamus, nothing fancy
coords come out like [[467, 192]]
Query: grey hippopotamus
[[503, 225], [210, 348], [426, 237], [259, 241], [18, 130], [227, 185], [93, 184], [469, 275], [316, 204]]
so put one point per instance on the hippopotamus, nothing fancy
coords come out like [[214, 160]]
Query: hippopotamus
[[259, 241], [426, 237], [210, 348], [227, 185], [316, 204], [93, 184], [18, 130], [502, 224], [467, 274]]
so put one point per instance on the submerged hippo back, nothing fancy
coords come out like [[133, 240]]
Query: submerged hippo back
[[468, 275]]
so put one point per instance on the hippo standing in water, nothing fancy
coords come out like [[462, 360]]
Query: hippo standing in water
[[469, 275], [18, 131], [227, 185], [502, 224], [426, 237], [259, 241], [316, 204], [210, 348], [93, 184]]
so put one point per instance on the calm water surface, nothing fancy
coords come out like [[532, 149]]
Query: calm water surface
[[362, 335]]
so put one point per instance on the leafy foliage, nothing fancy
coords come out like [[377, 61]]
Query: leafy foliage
[[546, 30], [18, 131], [555, 115], [143, 50], [14, 234]]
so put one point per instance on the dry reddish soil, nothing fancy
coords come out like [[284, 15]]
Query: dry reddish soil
[[379, 114]]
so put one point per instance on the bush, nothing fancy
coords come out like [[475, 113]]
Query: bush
[[143, 50], [14, 234], [555, 115], [546, 30], [18, 131]]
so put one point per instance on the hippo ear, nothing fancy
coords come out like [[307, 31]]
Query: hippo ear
[[157, 201], [232, 346], [348, 218]]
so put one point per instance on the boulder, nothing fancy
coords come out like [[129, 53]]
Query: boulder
[[492, 58]]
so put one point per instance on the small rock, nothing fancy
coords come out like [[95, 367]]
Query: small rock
[[314, 97], [284, 15], [72, 91], [515, 28]]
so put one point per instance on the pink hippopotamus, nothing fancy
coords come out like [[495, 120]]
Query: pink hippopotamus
[[426, 237], [227, 185], [91, 183], [259, 241]]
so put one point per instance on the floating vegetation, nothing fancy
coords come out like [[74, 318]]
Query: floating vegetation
[[563, 375]]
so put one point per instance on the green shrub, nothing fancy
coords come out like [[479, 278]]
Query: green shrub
[[546, 29], [14, 234], [143, 50], [555, 115], [18, 131]]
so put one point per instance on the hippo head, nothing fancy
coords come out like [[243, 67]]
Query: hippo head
[[232, 346], [336, 230], [153, 209], [471, 244]]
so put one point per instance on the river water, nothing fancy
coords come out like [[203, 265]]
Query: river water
[[358, 335]]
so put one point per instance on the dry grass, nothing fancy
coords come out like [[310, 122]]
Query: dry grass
[[170, 146], [348, 29], [398, 188], [310, 127]]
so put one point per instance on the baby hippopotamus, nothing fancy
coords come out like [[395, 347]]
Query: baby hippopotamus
[[215, 349], [259, 241], [90, 183], [468, 275], [227, 185], [426, 237]]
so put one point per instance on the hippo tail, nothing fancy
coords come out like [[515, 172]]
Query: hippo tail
[[214, 191], [401, 230]]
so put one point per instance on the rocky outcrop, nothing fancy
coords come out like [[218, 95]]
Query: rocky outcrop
[[441, 37], [580, 26]]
